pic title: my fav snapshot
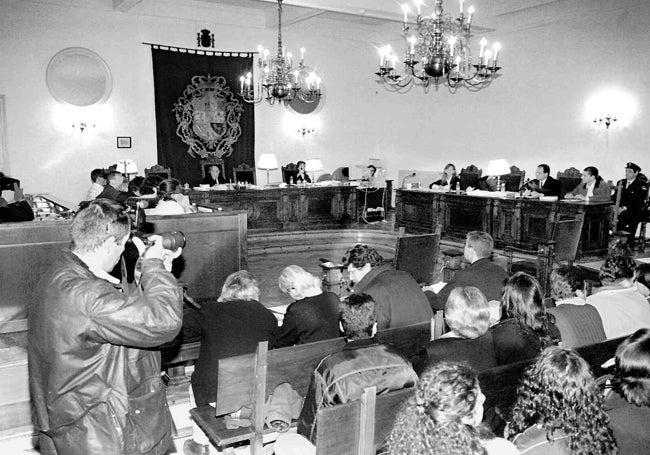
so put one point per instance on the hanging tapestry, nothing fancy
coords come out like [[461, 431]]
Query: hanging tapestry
[[208, 117], [198, 114]]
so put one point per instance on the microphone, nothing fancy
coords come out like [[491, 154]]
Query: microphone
[[524, 187]]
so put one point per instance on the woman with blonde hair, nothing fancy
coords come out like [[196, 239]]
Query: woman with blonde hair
[[314, 315], [444, 417], [467, 314]]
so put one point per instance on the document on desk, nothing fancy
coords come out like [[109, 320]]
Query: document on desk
[[435, 288]]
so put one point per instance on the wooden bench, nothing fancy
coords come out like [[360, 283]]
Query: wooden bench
[[247, 380], [499, 385]]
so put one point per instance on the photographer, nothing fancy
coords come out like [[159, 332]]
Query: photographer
[[19, 209], [95, 382]]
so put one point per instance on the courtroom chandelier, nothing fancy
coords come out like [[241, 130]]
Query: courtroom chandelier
[[442, 45], [277, 80]]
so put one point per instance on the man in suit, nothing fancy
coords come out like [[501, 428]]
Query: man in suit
[[19, 209], [482, 273], [543, 184], [634, 190], [111, 190]]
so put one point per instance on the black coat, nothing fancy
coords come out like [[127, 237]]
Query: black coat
[[16, 211], [310, 319], [551, 187], [225, 329]]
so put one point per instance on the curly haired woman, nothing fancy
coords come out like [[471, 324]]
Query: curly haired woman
[[559, 408], [444, 417]]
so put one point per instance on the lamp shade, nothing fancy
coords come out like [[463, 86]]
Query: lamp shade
[[127, 166], [313, 165], [267, 161], [498, 167]]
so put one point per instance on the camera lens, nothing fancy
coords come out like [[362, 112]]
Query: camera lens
[[173, 240]]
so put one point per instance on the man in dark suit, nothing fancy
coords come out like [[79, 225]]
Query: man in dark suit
[[543, 184], [111, 190], [634, 191], [19, 209], [483, 273]]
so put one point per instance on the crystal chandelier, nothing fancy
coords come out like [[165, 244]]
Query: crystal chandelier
[[442, 45], [277, 79]]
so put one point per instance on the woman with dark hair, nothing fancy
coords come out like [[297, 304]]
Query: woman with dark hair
[[168, 192], [444, 417], [301, 176], [642, 279], [448, 181], [628, 403], [150, 184], [525, 327], [592, 187], [135, 184], [559, 408]]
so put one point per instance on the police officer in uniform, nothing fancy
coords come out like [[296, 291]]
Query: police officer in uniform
[[634, 192]]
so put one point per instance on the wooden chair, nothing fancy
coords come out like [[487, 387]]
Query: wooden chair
[[579, 325], [561, 248], [645, 212], [569, 179], [417, 255], [514, 180], [157, 169], [289, 172], [244, 174], [470, 176]]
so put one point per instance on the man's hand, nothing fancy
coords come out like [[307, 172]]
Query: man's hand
[[157, 251], [18, 193]]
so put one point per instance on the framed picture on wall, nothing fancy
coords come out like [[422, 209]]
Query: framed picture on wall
[[123, 142]]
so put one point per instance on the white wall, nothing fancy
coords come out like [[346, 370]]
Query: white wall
[[535, 112]]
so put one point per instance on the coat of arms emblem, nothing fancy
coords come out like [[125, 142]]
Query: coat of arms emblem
[[208, 117]]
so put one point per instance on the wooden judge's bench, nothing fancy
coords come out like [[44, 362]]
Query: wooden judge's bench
[[511, 221]]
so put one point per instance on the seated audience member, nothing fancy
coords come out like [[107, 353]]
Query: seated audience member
[[634, 191], [135, 185], [214, 177], [232, 325], [364, 362], [628, 404], [467, 314], [444, 417], [568, 286], [399, 299], [482, 273], [448, 181], [525, 328], [543, 184], [620, 304], [112, 191], [150, 184], [642, 279], [168, 204], [98, 178], [17, 210], [559, 408], [314, 315], [592, 187], [301, 176]]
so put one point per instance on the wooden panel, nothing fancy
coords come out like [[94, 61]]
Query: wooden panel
[[338, 427], [216, 246]]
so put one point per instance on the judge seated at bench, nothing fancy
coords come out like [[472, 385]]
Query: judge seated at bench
[[449, 180], [543, 184], [592, 187], [17, 210], [342, 377], [301, 176], [214, 176]]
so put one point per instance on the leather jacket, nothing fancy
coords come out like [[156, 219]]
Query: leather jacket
[[94, 380]]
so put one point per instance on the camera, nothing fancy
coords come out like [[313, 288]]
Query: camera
[[170, 240]]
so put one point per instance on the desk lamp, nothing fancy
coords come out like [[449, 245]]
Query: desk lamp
[[127, 167], [267, 162], [313, 166], [497, 168]]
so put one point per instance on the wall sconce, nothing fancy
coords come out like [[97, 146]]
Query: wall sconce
[[304, 131], [606, 120], [81, 125]]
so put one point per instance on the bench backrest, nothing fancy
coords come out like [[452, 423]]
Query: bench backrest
[[359, 427], [295, 364]]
